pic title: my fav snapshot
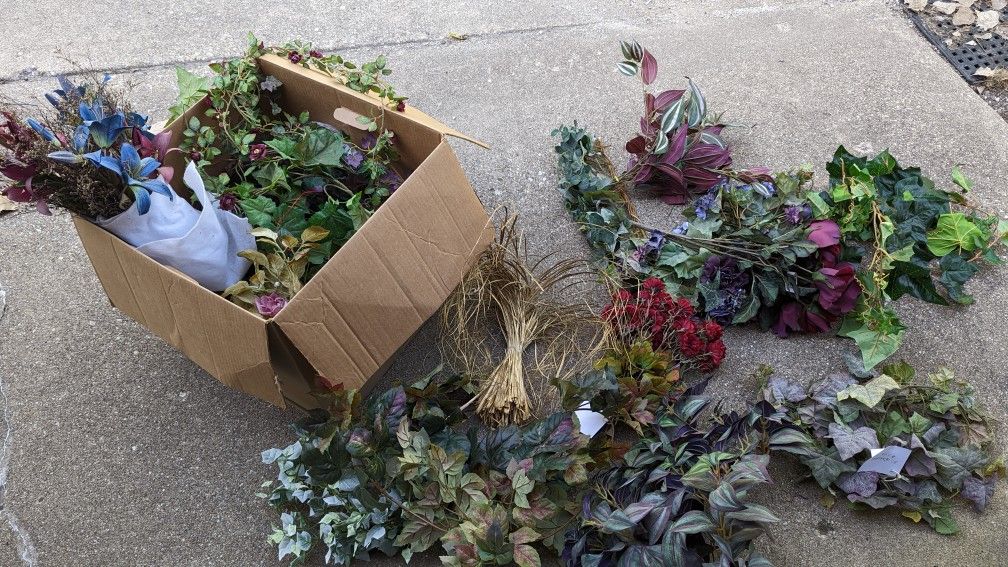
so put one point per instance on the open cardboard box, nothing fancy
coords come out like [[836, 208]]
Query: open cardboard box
[[361, 307]]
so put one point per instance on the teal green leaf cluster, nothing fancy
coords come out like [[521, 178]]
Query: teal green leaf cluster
[[833, 425]]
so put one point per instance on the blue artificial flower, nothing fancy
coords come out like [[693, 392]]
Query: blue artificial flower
[[104, 131], [67, 86], [704, 203], [91, 113], [653, 244], [80, 137], [41, 130], [136, 120], [681, 229], [135, 173]]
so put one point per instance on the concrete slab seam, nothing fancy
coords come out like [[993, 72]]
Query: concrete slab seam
[[26, 549]]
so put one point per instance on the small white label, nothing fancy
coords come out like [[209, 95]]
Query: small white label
[[591, 421], [888, 461]]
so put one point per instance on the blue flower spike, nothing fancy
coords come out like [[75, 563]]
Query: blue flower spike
[[41, 130], [68, 157], [136, 173]]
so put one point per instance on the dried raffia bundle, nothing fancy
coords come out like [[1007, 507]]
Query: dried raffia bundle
[[524, 301]]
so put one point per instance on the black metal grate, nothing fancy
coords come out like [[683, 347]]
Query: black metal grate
[[966, 59]]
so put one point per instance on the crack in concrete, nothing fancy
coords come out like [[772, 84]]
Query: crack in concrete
[[33, 74], [25, 547]]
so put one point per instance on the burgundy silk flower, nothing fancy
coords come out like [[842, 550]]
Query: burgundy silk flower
[[824, 233], [269, 305]]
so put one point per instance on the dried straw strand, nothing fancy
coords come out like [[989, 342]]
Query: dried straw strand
[[520, 296]]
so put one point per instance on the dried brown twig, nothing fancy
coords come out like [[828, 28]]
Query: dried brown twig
[[524, 300]]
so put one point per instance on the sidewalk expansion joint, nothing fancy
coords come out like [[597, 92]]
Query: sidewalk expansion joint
[[33, 74], [25, 547]]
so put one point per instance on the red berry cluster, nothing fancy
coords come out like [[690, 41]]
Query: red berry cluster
[[668, 322]]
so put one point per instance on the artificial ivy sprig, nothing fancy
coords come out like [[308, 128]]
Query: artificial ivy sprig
[[366, 78]]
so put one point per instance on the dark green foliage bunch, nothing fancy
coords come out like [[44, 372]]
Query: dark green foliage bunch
[[916, 239], [679, 495], [833, 426], [285, 172], [403, 473]]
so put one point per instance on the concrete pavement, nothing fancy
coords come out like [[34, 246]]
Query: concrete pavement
[[122, 452]]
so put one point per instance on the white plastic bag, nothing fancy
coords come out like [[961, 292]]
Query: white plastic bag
[[204, 245]]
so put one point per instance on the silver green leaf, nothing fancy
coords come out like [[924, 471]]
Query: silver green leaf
[[628, 68], [697, 106], [673, 115], [708, 138], [661, 143]]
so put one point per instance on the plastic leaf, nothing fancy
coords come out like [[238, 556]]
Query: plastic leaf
[[692, 522], [697, 105], [960, 179], [627, 68], [106, 161], [849, 442], [142, 200], [649, 68], [754, 513], [875, 346], [65, 156], [673, 115], [978, 491], [954, 233], [870, 393]]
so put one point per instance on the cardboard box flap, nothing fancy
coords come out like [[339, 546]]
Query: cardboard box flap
[[271, 64], [392, 275]]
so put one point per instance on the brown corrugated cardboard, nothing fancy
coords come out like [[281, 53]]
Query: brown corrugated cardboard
[[350, 319]]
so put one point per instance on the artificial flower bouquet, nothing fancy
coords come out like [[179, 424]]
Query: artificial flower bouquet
[[307, 237], [757, 246], [94, 156]]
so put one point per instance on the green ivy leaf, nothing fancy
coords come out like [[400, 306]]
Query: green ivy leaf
[[955, 272], [285, 147], [191, 88], [954, 233], [259, 211], [875, 346], [960, 179], [899, 371], [870, 393], [322, 147]]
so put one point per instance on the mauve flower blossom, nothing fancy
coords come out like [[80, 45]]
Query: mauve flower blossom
[[353, 157], [839, 293], [294, 57], [795, 317], [315, 53], [824, 233], [392, 180], [257, 151], [228, 202], [401, 106], [797, 214], [269, 305], [368, 141]]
